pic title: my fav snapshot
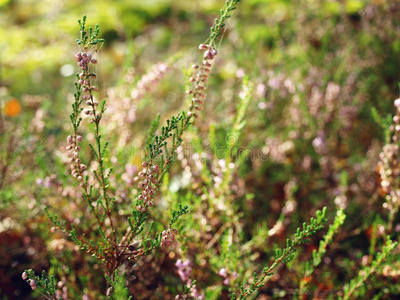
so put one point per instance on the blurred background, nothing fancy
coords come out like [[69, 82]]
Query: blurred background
[[318, 68]]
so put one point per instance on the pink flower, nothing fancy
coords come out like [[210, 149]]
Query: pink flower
[[24, 276], [223, 272], [32, 283]]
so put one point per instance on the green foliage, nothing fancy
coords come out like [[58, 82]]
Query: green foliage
[[351, 288], [224, 14], [88, 38], [177, 214], [384, 123], [233, 136], [328, 237], [117, 287], [318, 254], [287, 254]]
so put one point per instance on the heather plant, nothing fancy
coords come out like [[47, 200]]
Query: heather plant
[[198, 182], [111, 250]]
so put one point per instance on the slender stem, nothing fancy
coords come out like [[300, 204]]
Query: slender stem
[[102, 180]]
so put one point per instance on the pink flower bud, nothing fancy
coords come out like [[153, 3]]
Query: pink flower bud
[[223, 272], [32, 283], [24, 276], [203, 47], [226, 281]]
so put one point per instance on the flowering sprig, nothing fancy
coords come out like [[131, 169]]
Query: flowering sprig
[[287, 254], [84, 59], [177, 125], [389, 164], [99, 202], [46, 285]]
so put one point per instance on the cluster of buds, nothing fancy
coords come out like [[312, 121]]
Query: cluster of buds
[[209, 53], [77, 168], [184, 269], [146, 83], [148, 184], [168, 237], [91, 111], [396, 119], [224, 274], [83, 59], [389, 165], [199, 79], [389, 170], [31, 282]]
